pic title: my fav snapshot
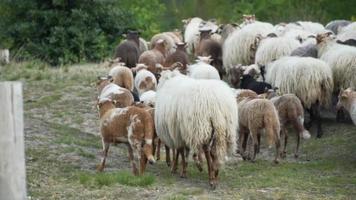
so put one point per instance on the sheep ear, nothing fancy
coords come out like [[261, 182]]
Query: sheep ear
[[275, 89]]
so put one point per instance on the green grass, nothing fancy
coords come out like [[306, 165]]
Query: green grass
[[110, 178]]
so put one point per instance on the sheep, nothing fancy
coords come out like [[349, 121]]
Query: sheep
[[239, 47], [129, 50], [336, 25], [132, 126], [309, 50], [170, 40], [226, 30], [290, 111], [113, 92], [347, 100], [350, 27], [209, 47], [308, 26], [145, 81], [180, 55], [191, 33], [4, 56], [185, 100], [203, 70], [341, 59], [347, 38], [254, 116], [308, 78], [155, 56], [272, 48], [248, 82], [122, 76]]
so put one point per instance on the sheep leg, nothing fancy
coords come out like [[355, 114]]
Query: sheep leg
[[184, 164], [258, 142], [168, 155], [175, 161], [284, 133], [311, 117], [300, 129], [278, 144], [132, 161], [209, 164], [318, 119], [198, 159], [158, 149], [255, 145], [243, 142], [106, 146], [143, 162]]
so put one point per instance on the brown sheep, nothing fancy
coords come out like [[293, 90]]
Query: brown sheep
[[209, 47], [129, 50], [132, 126], [122, 76], [254, 116], [109, 90], [155, 56], [181, 56], [290, 111]]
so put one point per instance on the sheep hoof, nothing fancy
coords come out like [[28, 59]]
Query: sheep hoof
[[296, 155], [183, 175], [168, 164], [283, 155], [276, 161], [212, 185]]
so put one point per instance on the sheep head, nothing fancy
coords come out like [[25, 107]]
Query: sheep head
[[248, 19], [103, 81], [344, 98], [205, 59], [235, 73], [324, 37]]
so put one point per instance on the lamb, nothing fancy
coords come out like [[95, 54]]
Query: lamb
[[132, 126], [290, 111], [336, 25], [108, 90], [272, 48], [181, 56], [122, 76], [129, 50], [239, 47], [209, 47], [203, 70], [308, 78], [341, 59], [185, 100], [155, 56], [347, 100], [254, 116], [4, 56], [145, 81], [248, 82]]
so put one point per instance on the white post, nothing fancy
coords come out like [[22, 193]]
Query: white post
[[12, 151]]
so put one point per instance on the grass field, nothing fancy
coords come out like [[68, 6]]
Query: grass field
[[63, 149]]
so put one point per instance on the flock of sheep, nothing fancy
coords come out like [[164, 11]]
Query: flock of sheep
[[247, 80]]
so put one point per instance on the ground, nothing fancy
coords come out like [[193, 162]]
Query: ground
[[63, 148]]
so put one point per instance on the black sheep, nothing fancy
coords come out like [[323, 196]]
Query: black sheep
[[247, 82]]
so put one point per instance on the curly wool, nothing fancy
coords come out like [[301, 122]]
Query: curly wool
[[236, 48], [202, 70], [187, 110], [342, 60], [191, 34], [273, 48], [308, 78]]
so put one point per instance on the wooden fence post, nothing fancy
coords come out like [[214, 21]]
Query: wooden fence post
[[12, 151]]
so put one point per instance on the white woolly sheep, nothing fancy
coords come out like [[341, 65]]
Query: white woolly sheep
[[191, 34], [347, 100], [148, 98], [254, 116], [350, 27], [145, 81], [347, 37], [308, 78], [203, 70], [198, 114], [336, 25], [132, 126], [341, 59], [272, 48], [239, 47]]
